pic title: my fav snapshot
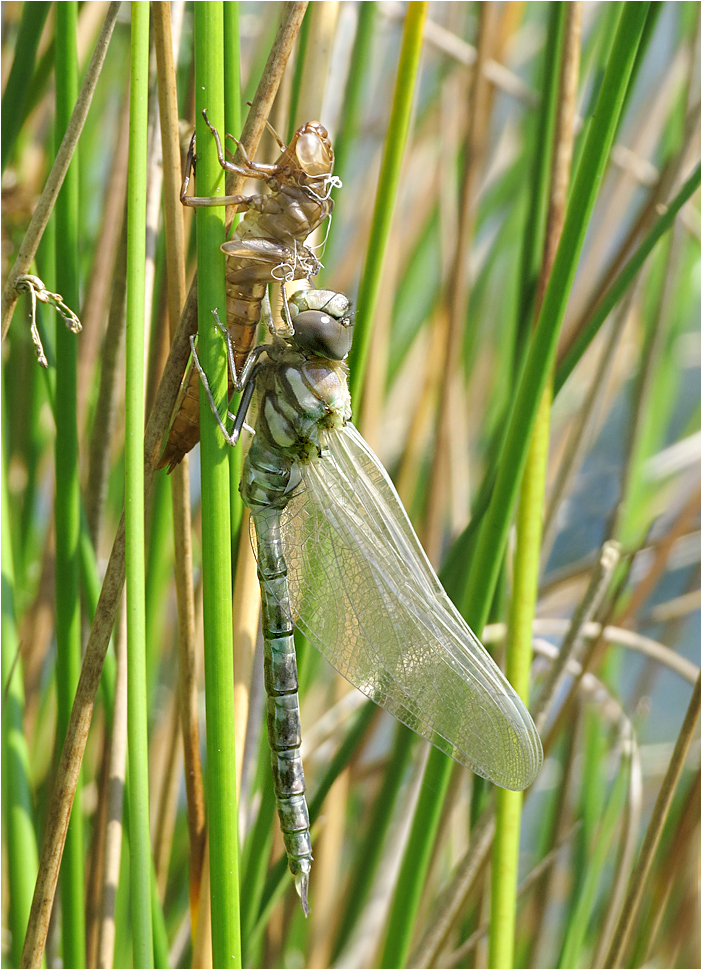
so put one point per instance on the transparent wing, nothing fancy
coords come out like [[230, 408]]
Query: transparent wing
[[363, 591]]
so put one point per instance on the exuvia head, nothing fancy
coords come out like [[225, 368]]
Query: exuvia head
[[323, 323], [310, 151]]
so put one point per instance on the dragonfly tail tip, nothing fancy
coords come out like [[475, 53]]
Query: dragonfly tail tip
[[302, 881]]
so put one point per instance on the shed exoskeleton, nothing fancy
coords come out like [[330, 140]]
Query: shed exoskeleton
[[267, 245]]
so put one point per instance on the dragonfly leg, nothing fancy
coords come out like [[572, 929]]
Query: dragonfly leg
[[281, 144], [267, 315], [286, 313], [251, 169], [244, 384], [233, 438], [240, 202], [240, 419], [238, 380]]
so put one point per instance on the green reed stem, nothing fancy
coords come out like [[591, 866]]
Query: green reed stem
[[233, 124], [417, 857], [508, 804], [535, 224], [492, 537], [359, 72], [527, 557], [14, 96], [625, 279], [137, 727], [491, 540], [17, 799], [67, 499], [391, 166], [216, 548]]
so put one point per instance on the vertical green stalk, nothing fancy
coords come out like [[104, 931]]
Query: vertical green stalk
[[556, 175], [535, 225], [489, 546], [232, 124], [495, 525], [356, 84], [508, 804], [137, 728], [214, 466], [391, 166], [67, 500], [16, 91], [415, 864], [17, 801]]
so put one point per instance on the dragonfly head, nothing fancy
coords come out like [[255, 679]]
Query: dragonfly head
[[323, 323]]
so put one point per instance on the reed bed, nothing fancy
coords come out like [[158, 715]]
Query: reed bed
[[519, 228]]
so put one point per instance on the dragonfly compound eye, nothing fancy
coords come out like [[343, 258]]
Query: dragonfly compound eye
[[319, 333]]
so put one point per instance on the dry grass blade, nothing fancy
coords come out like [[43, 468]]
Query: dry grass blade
[[681, 525], [539, 870], [100, 454], [255, 124], [637, 883], [105, 266], [117, 777], [626, 855], [597, 588], [245, 608], [479, 108]]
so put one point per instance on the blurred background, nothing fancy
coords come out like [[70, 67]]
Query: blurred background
[[623, 463]]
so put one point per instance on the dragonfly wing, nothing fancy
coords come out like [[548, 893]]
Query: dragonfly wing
[[363, 591]]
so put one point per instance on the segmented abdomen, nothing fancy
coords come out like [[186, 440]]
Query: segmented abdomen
[[280, 673]]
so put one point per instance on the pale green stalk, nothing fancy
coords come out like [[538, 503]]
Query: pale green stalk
[[388, 182], [139, 841], [17, 800], [508, 804], [525, 587], [67, 498], [232, 123], [216, 541], [14, 97]]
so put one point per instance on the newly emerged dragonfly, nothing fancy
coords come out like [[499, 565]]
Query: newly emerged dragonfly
[[268, 244], [339, 559]]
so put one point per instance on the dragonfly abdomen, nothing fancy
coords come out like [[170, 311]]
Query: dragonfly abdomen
[[280, 673]]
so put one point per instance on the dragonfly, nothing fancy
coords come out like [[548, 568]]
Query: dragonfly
[[339, 559], [268, 244]]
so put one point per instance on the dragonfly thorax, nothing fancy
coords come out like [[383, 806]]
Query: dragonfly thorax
[[301, 398]]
